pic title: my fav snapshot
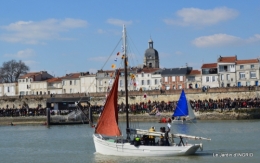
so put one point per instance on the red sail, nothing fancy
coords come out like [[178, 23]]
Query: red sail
[[108, 121]]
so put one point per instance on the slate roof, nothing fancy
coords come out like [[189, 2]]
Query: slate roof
[[148, 70], [176, 71]]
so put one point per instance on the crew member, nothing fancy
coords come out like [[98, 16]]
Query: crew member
[[151, 137]]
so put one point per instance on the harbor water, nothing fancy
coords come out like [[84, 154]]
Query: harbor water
[[232, 141]]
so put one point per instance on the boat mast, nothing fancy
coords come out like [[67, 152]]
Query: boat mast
[[126, 84]]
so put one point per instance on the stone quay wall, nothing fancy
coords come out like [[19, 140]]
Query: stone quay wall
[[33, 101]]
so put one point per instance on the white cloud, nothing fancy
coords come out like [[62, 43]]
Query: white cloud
[[255, 38], [178, 53], [22, 54], [30, 32], [218, 40], [31, 63], [195, 16], [119, 22], [101, 31]]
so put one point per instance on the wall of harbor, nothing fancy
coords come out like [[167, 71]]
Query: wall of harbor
[[33, 101], [241, 114]]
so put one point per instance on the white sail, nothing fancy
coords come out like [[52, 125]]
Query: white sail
[[191, 113]]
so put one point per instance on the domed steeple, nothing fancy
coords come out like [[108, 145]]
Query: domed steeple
[[151, 56]]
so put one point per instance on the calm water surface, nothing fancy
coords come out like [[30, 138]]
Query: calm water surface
[[67, 144]]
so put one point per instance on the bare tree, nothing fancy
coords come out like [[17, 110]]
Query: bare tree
[[11, 70]]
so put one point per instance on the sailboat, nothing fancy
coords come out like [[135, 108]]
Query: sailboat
[[183, 112], [109, 140]]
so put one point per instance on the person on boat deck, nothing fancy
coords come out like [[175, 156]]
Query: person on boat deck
[[146, 139], [161, 140], [169, 120], [166, 137], [137, 141], [152, 138]]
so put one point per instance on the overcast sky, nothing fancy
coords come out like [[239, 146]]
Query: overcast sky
[[66, 36]]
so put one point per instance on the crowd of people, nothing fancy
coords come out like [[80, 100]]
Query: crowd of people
[[146, 107]]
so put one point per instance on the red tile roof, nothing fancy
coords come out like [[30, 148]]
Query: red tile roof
[[227, 59], [52, 80], [30, 75], [209, 65], [71, 76], [247, 61], [194, 72]]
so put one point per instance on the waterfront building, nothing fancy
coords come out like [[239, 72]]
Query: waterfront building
[[8, 89], [25, 81], [1, 89], [148, 79], [227, 71], [38, 87], [193, 79], [71, 83], [247, 72], [104, 80], [174, 78], [87, 83], [209, 75], [54, 86]]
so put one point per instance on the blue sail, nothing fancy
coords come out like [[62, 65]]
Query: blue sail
[[182, 106]]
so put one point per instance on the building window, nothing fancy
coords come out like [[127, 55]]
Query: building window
[[75, 82], [213, 78], [142, 82], [166, 78], [148, 82], [228, 77], [207, 78], [241, 67], [222, 77], [252, 66], [70, 82], [242, 75], [100, 82], [179, 86], [155, 81], [142, 74], [173, 78], [252, 74], [71, 90], [181, 78]]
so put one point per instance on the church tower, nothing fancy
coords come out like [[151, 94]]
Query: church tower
[[151, 57]]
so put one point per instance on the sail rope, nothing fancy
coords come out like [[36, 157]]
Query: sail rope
[[92, 83]]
